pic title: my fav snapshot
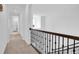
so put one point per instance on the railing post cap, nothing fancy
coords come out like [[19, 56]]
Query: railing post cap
[[29, 28]]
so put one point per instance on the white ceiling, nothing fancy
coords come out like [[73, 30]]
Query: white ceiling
[[46, 9], [55, 9], [18, 8]]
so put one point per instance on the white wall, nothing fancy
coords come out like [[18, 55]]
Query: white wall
[[27, 23], [64, 21], [3, 29], [43, 22], [59, 18]]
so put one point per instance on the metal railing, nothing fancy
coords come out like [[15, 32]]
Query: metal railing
[[54, 43]]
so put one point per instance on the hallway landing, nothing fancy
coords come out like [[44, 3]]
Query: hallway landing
[[17, 45]]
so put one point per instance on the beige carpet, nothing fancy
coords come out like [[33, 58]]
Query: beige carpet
[[18, 46]]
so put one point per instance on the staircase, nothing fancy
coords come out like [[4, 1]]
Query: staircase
[[17, 45]]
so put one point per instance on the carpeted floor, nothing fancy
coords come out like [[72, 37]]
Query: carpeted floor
[[18, 46]]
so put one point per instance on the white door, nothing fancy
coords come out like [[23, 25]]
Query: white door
[[36, 22], [15, 21]]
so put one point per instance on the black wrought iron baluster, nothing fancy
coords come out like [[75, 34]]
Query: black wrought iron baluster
[[55, 43], [58, 44], [47, 42], [74, 47], [31, 36], [38, 38], [40, 41], [52, 43], [35, 39], [43, 43], [62, 45], [67, 45]]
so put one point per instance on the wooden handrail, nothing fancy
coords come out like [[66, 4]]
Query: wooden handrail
[[58, 34]]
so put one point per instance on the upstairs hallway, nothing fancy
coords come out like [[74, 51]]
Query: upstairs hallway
[[17, 45]]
